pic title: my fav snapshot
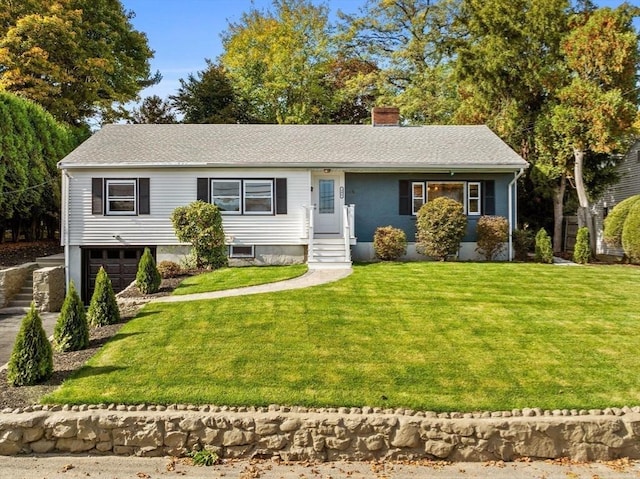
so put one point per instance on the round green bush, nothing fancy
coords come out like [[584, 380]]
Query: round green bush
[[148, 277], [441, 225], [32, 357], [200, 224], [544, 251], [582, 249], [614, 222], [389, 243], [103, 308], [71, 332], [631, 234], [493, 232]]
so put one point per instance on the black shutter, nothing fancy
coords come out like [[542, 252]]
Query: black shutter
[[97, 195], [144, 208], [281, 196], [203, 190], [488, 197], [405, 198]]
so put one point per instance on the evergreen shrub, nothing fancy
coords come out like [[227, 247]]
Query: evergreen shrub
[[389, 243], [32, 357], [148, 278], [103, 308], [441, 225], [582, 249], [493, 232], [543, 251], [631, 234], [614, 222], [200, 224], [71, 332], [523, 241]]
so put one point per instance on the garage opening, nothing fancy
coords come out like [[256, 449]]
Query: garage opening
[[121, 264]]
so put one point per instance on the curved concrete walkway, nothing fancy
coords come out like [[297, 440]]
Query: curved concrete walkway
[[313, 277]]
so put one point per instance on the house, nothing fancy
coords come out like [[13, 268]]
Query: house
[[628, 185], [288, 193]]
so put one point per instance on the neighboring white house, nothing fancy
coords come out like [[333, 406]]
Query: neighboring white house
[[629, 185], [288, 193]]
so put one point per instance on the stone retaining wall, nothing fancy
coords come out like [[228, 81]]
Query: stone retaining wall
[[49, 288], [12, 279], [325, 434]]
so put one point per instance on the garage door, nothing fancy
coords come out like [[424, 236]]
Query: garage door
[[121, 264]]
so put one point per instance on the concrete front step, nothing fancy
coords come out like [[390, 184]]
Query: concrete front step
[[53, 260], [329, 265], [14, 310]]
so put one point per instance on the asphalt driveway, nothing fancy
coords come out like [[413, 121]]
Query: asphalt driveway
[[9, 327]]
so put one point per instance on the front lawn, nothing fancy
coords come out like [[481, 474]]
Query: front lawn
[[229, 278], [430, 336]]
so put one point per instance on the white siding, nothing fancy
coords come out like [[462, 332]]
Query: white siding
[[174, 187], [629, 185]]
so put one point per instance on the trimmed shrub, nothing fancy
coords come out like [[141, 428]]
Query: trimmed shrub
[[148, 278], [200, 224], [441, 225], [389, 243], [544, 251], [582, 249], [103, 308], [631, 234], [32, 357], [72, 330], [523, 241], [169, 269], [614, 222], [493, 232]]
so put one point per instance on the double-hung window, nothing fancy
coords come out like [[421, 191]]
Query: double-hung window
[[417, 196], [121, 197], [258, 197], [473, 198], [226, 194], [237, 197]]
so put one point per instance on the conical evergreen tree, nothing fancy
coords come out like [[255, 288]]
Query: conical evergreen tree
[[32, 357], [72, 330], [148, 278], [103, 308]]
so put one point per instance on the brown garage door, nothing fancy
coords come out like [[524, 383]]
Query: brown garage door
[[121, 264]]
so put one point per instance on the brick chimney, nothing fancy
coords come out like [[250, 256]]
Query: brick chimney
[[385, 116]]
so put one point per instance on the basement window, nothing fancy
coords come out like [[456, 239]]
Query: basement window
[[244, 251]]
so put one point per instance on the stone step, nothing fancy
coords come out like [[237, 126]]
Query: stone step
[[23, 297], [19, 304]]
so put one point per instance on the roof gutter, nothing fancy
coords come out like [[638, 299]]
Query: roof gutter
[[513, 208]]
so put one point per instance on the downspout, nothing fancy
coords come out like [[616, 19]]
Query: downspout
[[65, 225], [513, 211]]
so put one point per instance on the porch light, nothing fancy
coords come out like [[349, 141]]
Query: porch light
[[327, 170]]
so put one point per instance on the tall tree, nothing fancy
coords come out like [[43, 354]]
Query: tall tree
[[411, 42], [595, 111], [208, 97], [153, 110], [278, 60], [32, 143], [75, 57]]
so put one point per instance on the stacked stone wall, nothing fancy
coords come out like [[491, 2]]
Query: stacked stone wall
[[297, 434], [12, 279], [49, 288]]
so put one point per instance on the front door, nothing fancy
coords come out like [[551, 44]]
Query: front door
[[328, 201]]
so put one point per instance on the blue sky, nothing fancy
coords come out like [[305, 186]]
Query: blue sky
[[185, 32]]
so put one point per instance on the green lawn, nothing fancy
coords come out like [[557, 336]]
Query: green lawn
[[431, 336], [229, 278]]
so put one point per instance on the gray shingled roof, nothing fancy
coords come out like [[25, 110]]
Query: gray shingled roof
[[336, 146]]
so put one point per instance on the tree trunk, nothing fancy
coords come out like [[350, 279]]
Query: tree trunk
[[558, 213], [584, 210]]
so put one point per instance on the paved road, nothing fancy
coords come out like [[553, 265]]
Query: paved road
[[9, 327], [77, 467]]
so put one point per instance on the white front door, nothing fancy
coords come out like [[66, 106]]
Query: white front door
[[328, 199]]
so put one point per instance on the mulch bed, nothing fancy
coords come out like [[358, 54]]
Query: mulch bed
[[64, 364], [13, 254]]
